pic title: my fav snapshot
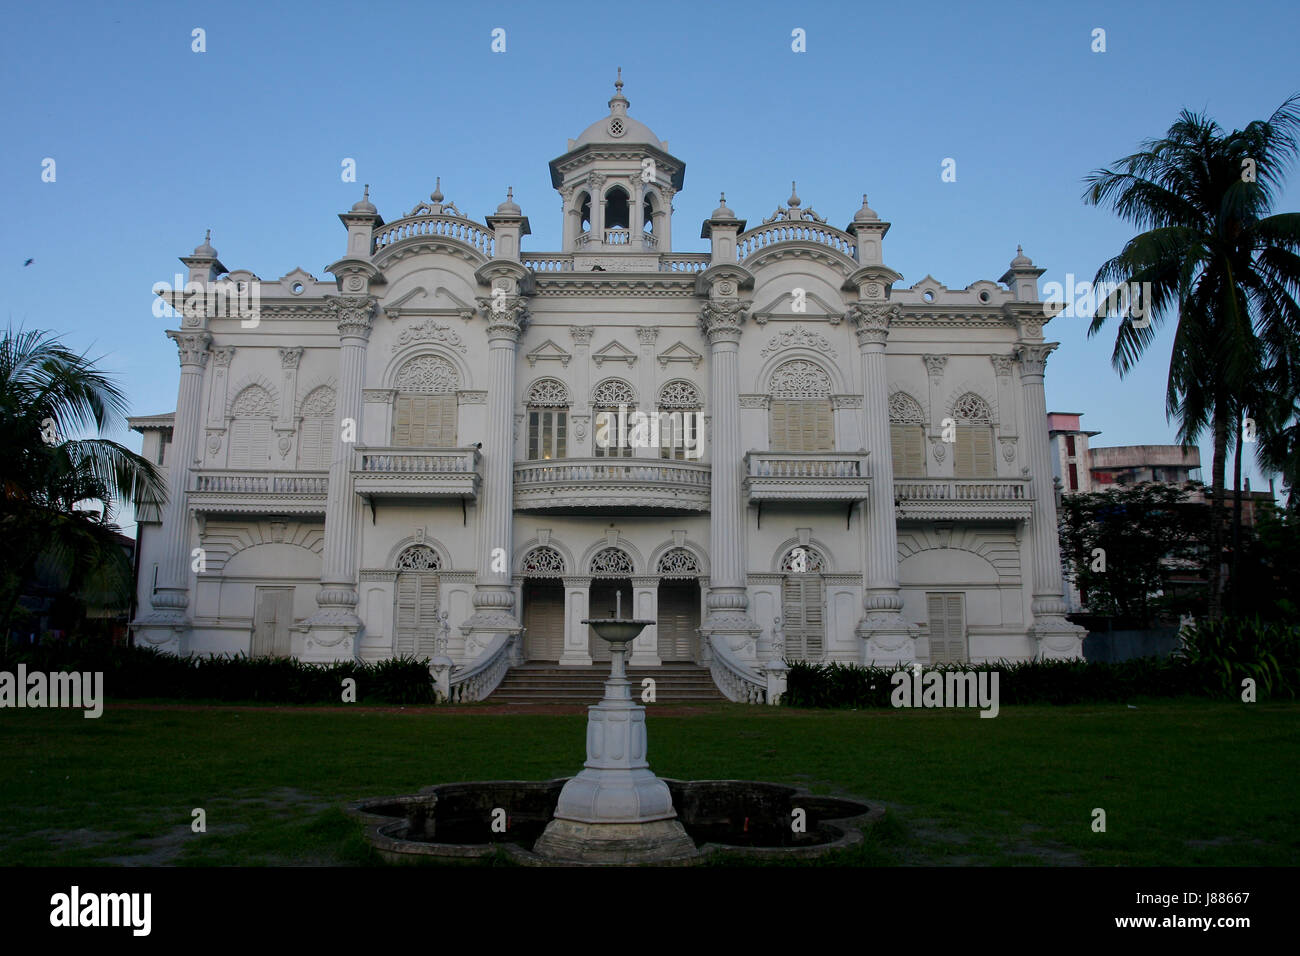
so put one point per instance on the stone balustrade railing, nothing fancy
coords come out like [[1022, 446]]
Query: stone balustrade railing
[[748, 243], [405, 461], [464, 230], [481, 678], [961, 489], [737, 683], [806, 464], [696, 262], [600, 469], [560, 262], [260, 482]]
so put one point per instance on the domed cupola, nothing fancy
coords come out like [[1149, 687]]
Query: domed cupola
[[617, 181]]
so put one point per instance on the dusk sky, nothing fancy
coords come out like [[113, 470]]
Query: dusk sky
[[154, 143]]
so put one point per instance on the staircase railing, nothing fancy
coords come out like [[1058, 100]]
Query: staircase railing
[[482, 677], [736, 681]]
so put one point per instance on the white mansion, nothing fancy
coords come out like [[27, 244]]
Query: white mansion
[[403, 459]]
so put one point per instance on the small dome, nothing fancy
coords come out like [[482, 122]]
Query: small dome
[[364, 204], [205, 250], [1021, 260], [509, 207], [866, 213], [618, 127], [722, 212]]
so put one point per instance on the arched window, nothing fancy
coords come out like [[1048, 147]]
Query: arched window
[[424, 415], [803, 603], [417, 602], [250, 430], [907, 435], [613, 401], [679, 414], [543, 562], [648, 213], [800, 415], [316, 433], [584, 212], [611, 563], [972, 455], [616, 209], [678, 563], [548, 419]]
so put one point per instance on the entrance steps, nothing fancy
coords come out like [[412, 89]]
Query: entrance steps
[[543, 683]]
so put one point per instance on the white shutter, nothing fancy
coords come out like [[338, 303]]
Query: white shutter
[[947, 628], [803, 616], [314, 448], [240, 441], [907, 447], [417, 614]]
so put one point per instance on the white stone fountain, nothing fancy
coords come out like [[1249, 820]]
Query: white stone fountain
[[616, 810]]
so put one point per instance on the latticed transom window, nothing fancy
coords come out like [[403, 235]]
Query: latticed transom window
[[678, 563], [613, 401], [803, 603], [907, 435], [679, 408], [611, 563], [419, 557], [316, 433], [548, 419], [973, 451], [250, 428], [424, 415], [543, 562], [800, 415]]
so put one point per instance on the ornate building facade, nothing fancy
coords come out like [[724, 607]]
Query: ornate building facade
[[408, 457]]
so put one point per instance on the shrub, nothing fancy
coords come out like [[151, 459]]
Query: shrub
[[1224, 653], [133, 672]]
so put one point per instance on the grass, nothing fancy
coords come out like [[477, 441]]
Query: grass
[[1182, 782]]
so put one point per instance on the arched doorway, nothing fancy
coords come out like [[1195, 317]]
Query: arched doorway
[[679, 606], [543, 599], [417, 602], [803, 603], [611, 575]]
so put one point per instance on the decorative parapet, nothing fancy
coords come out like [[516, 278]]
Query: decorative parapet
[[407, 472], [258, 492], [806, 476]]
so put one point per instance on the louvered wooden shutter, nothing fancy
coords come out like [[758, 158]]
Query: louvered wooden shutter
[[442, 421], [314, 444], [907, 444], [778, 427], [801, 426], [240, 434], [402, 422], [802, 614], [250, 443], [417, 613], [947, 628], [982, 451], [821, 426]]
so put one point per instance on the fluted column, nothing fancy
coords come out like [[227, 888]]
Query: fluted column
[[333, 629], [166, 625], [888, 639], [1055, 636], [494, 598], [728, 602]]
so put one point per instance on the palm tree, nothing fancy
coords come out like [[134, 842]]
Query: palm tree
[[57, 495], [1218, 264]]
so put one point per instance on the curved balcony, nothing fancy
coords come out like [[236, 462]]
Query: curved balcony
[[471, 233], [773, 233], [417, 473], [612, 486], [258, 492], [806, 476], [963, 499]]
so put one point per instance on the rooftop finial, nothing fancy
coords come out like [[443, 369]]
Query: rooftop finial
[[510, 192], [618, 83], [793, 202], [436, 195], [722, 199]]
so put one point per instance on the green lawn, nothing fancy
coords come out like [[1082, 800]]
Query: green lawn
[[1183, 782]]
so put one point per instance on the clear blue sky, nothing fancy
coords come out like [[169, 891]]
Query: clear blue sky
[[155, 143]]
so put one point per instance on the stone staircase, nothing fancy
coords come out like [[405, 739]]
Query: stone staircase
[[552, 684]]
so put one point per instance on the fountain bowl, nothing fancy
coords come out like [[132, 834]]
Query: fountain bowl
[[617, 630]]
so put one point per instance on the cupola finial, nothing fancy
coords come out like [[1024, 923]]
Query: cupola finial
[[793, 201], [618, 83], [436, 195]]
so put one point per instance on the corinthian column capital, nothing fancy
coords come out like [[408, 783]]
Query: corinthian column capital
[[194, 347], [1033, 358], [354, 314], [721, 321], [506, 315], [871, 320]]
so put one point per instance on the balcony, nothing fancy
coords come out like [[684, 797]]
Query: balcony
[[258, 492], [806, 476], [963, 499], [612, 485], [417, 473]]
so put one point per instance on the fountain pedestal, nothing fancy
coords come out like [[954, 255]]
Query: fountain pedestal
[[616, 810]]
